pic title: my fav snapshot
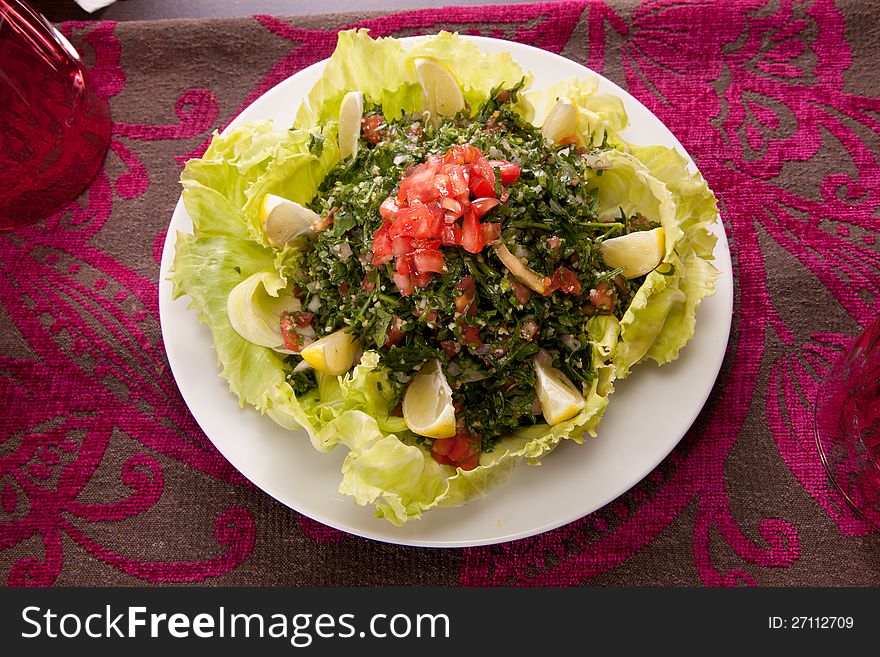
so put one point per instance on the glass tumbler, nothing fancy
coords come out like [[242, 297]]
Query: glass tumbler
[[848, 424], [54, 129]]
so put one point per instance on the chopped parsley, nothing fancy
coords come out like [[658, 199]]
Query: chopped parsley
[[549, 220]]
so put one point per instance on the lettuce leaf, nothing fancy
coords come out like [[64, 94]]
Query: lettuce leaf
[[654, 181], [371, 66], [600, 115]]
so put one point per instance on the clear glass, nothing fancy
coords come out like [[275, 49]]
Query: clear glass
[[848, 424], [54, 129]]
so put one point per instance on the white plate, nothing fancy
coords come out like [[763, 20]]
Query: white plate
[[648, 414]]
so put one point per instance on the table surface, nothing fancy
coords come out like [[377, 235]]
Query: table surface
[[129, 10], [106, 479]]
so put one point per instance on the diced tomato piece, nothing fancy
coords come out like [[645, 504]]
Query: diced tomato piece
[[450, 348], [441, 183], [442, 446], [425, 260], [420, 279], [401, 246], [389, 208], [430, 316], [481, 168], [381, 246], [288, 332], [419, 243], [372, 128], [452, 206], [459, 449], [468, 293], [491, 232], [470, 462], [423, 192], [603, 296], [401, 265], [522, 292], [461, 154], [471, 235], [458, 180], [462, 450], [394, 335], [368, 284], [450, 235], [403, 283], [470, 336], [417, 221], [480, 187], [303, 318], [509, 172], [482, 206], [565, 280]]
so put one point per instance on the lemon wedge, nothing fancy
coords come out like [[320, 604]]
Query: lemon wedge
[[441, 95], [333, 354], [561, 121], [284, 220], [638, 252], [351, 111], [560, 400], [427, 404]]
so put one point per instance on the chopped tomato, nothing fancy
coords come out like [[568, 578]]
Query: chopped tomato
[[442, 446], [419, 279], [522, 292], [371, 128], [462, 451], [482, 206], [426, 260], [603, 296], [303, 318], [381, 246], [403, 283], [491, 233], [401, 246], [439, 203], [288, 332], [450, 235], [471, 235], [565, 280], [389, 208], [450, 348], [470, 335], [394, 335], [481, 187], [509, 172], [464, 302], [458, 182]]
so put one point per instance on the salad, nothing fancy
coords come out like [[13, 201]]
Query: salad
[[440, 268]]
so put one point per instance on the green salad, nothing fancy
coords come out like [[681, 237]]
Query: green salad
[[440, 268]]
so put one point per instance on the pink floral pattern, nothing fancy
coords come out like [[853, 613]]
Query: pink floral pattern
[[755, 91]]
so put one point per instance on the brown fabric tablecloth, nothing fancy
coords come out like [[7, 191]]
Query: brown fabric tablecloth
[[106, 479]]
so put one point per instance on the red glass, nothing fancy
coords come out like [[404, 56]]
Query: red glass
[[848, 424], [54, 130]]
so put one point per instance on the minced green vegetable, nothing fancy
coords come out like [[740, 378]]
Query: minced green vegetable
[[549, 220]]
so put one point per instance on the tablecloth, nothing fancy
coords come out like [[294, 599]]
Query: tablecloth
[[105, 478]]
